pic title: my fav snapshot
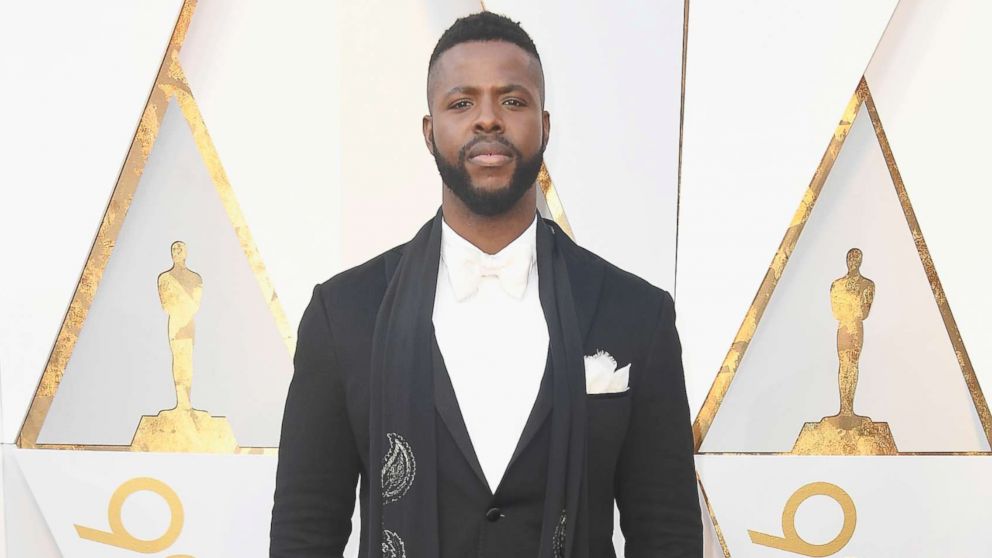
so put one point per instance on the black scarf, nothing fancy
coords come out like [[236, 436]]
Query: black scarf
[[403, 508]]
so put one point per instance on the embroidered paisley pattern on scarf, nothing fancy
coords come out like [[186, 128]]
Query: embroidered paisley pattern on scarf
[[392, 545], [399, 467]]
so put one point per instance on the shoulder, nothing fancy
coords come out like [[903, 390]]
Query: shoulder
[[631, 288], [360, 288], [619, 288]]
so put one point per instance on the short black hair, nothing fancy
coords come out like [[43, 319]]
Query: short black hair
[[484, 26]]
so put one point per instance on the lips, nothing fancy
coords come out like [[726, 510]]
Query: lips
[[489, 154]]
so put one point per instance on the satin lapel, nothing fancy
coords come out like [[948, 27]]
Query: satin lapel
[[446, 403], [538, 413]]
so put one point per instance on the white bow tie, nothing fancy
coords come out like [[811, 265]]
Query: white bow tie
[[467, 265], [511, 269]]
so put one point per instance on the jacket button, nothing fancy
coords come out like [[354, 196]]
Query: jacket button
[[493, 514]]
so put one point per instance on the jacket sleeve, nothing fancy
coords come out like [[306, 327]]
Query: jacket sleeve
[[319, 464], [656, 476]]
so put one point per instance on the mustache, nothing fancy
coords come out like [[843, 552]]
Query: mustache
[[463, 152]]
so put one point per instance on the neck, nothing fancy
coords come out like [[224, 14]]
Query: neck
[[489, 234]]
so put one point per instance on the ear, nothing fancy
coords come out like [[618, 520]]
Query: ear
[[428, 125], [546, 126]]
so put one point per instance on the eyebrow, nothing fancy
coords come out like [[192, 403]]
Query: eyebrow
[[501, 90]]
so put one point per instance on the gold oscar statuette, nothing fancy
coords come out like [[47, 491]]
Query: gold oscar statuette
[[182, 428], [848, 433]]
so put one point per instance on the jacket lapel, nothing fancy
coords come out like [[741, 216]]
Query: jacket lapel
[[538, 413]]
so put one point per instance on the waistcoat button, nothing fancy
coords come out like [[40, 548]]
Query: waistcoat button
[[493, 514]]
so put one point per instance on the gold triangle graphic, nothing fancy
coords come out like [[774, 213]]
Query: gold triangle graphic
[[170, 83], [721, 384]]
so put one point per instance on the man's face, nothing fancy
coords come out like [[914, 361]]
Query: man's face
[[487, 129]]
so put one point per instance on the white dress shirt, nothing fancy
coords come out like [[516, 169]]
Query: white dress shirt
[[493, 338]]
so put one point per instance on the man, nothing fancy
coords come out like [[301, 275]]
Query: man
[[472, 378]]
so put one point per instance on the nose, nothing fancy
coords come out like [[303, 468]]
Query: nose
[[488, 118]]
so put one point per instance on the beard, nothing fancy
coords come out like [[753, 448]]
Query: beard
[[485, 202]]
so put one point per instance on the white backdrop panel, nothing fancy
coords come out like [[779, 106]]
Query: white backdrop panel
[[224, 499], [83, 71], [27, 531], [766, 83], [901, 509]]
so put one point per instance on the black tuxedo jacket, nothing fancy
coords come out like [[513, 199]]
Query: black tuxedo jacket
[[640, 449]]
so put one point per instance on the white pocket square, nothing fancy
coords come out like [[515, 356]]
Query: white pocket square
[[602, 375]]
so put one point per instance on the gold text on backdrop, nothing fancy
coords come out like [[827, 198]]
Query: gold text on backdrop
[[120, 537], [791, 541]]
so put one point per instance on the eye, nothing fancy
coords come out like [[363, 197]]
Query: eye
[[514, 102], [460, 104]]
